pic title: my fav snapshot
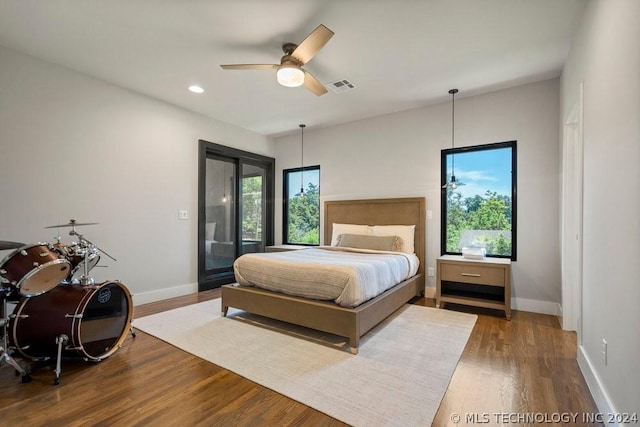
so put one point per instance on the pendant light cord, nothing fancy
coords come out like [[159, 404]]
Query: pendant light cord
[[302, 126], [453, 130]]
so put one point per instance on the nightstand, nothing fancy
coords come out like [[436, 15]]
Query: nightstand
[[479, 283]]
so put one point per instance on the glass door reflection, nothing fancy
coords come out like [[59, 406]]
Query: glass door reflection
[[220, 228]]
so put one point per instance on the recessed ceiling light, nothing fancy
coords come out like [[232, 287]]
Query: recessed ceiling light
[[196, 89]]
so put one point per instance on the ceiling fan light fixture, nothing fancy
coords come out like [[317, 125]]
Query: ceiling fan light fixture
[[290, 76]]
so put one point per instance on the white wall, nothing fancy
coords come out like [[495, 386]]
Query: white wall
[[398, 155], [76, 147], [605, 56]]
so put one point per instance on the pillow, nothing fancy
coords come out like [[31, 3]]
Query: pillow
[[378, 243], [339, 229], [405, 232], [209, 231]]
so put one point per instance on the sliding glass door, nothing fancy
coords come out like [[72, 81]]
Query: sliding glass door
[[219, 228], [235, 210]]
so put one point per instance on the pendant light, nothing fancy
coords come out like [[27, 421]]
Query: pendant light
[[453, 183], [302, 159]]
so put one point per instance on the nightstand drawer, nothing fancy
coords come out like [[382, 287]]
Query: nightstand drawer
[[469, 273]]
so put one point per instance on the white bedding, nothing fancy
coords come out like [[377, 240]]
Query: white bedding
[[346, 276]]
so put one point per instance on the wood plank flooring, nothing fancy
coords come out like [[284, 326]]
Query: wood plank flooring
[[523, 366]]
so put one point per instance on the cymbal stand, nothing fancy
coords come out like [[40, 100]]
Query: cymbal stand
[[85, 280], [5, 356]]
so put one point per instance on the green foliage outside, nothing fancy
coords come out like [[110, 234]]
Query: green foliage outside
[[304, 217], [252, 208], [489, 212]]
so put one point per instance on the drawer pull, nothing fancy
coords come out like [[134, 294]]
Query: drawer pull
[[470, 274]]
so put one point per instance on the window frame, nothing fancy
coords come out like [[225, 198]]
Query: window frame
[[514, 200], [285, 204]]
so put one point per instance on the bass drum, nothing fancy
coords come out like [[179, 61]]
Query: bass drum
[[96, 320]]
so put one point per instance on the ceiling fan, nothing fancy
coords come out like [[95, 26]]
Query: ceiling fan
[[290, 72]]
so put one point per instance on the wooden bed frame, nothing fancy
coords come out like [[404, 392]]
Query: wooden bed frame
[[351, 323]]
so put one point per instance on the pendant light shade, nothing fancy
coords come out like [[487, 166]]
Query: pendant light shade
[[302, 126], [453, 183]]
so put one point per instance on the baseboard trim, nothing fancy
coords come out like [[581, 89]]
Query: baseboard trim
[[536, 306], [598, 392], [520, 304], [430, 292], [165, 293]]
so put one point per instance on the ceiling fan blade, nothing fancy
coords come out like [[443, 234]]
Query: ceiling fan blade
[[313, 84], [251, 66], [312, 44]]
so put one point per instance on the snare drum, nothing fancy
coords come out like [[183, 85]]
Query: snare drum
[[34, 269], [94, 318]]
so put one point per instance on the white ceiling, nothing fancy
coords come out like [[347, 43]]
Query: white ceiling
[[400, 54]]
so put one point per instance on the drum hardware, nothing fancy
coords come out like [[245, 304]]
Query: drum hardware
[[73, 316], [86, 241], [83, 254], [5, 355], [85, 279], [60, 341]]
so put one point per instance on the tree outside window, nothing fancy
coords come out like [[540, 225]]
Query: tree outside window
[[481, 211], [301, 208], [252, 208]]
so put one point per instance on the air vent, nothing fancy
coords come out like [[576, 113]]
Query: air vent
[[340, 86]]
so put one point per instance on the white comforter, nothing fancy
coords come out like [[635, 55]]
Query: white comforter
[[347, 276]]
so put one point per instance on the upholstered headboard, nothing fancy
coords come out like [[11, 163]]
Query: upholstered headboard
[[403, 211]]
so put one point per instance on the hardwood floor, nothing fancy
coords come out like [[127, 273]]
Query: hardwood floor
[[525, 366]]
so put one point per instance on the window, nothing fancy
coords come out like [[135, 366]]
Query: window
[[481, 211], [301, 211]]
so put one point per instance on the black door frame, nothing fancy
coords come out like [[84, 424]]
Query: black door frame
[[238, 157]]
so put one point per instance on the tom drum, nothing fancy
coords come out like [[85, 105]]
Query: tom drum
[[83, 259], [34, 269], [96, 320]]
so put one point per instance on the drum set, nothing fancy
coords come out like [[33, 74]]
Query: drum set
[[59, 309]]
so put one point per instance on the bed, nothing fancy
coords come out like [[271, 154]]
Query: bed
[[349, 322]]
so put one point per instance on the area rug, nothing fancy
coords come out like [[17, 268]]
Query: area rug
[[398, 378]]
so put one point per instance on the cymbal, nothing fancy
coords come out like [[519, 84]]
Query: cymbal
[[10, 245], [72, 223]]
